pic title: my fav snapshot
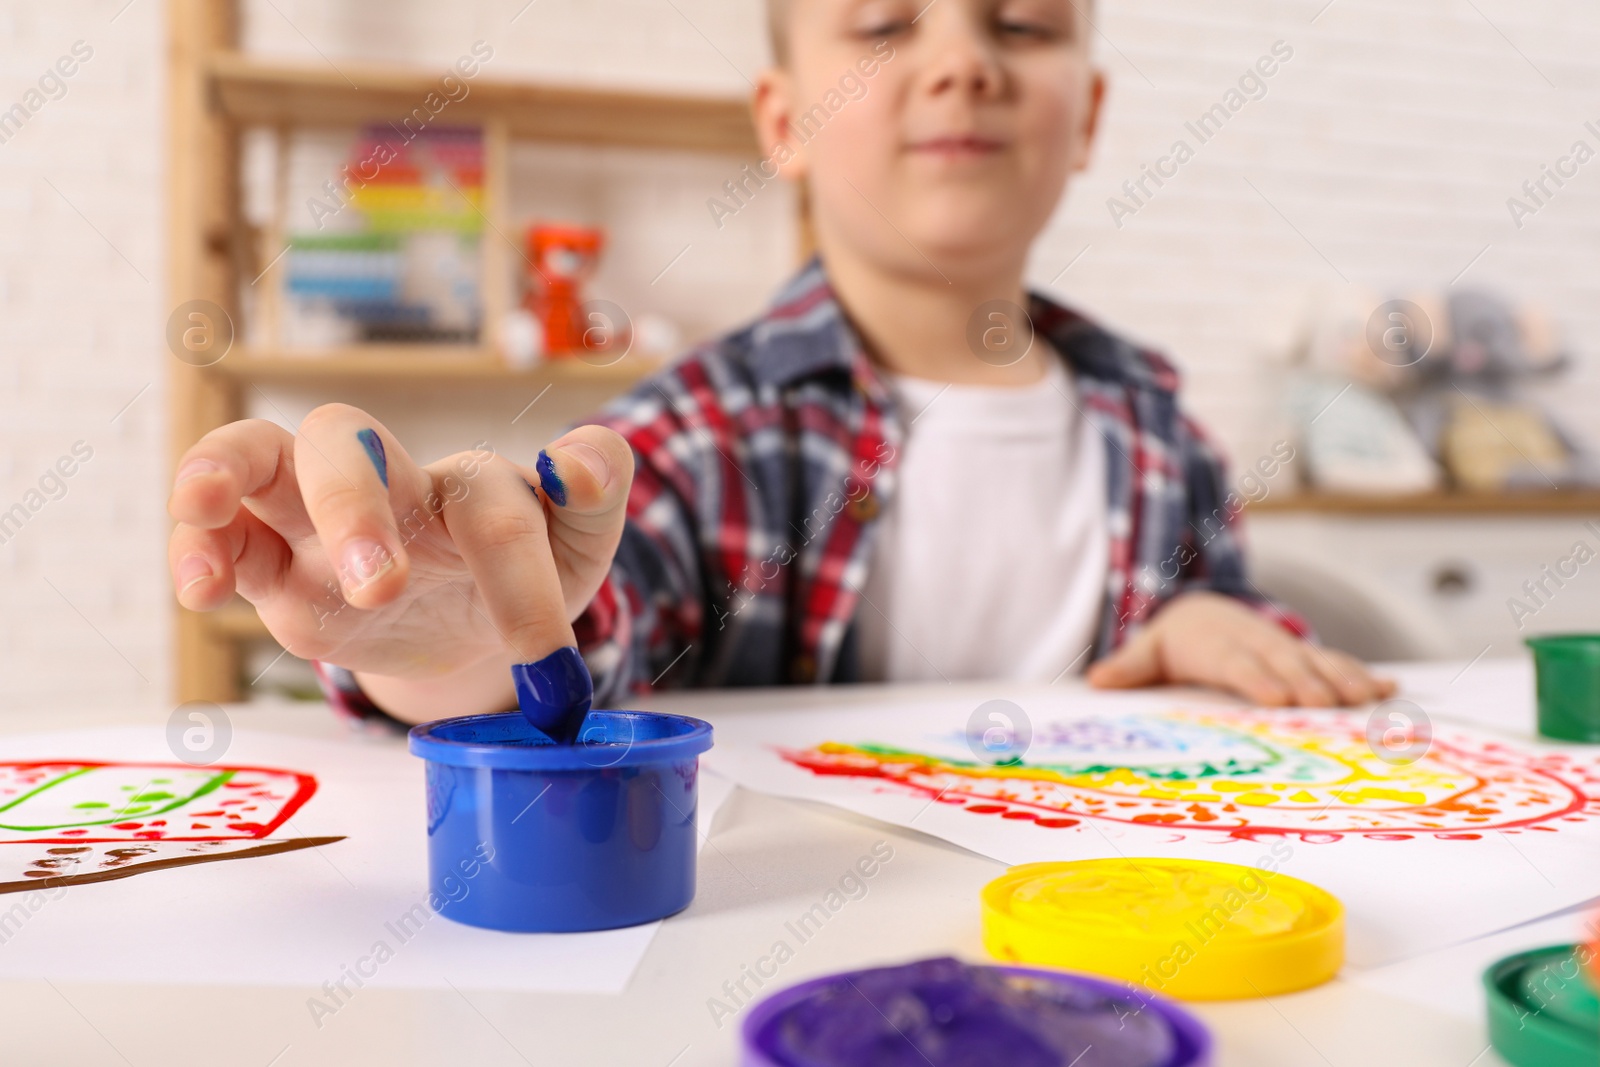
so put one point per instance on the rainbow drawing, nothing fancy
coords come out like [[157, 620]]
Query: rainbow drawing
[[1241, 773]]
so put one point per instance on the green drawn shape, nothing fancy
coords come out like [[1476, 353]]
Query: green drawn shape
[[212, 784], [42, 788]]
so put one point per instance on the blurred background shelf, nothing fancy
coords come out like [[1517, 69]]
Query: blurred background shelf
[[252, 90], [237, 620], [430, 364], [1509, 504]]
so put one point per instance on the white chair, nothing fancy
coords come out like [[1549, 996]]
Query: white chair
[[1348, 611]]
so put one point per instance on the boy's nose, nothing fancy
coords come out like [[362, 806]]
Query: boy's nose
[[962, 59]]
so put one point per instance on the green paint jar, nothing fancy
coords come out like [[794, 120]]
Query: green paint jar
[[1542, 1008], [1567, 669]]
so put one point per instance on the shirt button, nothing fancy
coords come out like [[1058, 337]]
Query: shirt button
[[805, 669], [863, 508]]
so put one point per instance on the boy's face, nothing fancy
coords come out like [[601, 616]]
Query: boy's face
[[957, 145]]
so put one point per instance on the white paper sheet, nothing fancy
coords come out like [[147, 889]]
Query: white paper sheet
[[1450, 979], [306, 917], [1483, 832]]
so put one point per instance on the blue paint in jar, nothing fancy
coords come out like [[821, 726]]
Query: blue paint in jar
[[591, 835]]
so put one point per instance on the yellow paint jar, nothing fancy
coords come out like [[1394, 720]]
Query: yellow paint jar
[[1191, 929]]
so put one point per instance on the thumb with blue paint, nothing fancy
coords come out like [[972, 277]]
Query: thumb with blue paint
[[581, 480], [540, 561]]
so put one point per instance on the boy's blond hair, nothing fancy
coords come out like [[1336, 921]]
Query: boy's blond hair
[[778, 30]]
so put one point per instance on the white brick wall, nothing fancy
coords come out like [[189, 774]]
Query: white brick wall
[[645, 43], [82, 279], [1391, 141]]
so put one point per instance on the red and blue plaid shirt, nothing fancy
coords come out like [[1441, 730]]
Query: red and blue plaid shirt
[[763, 458]]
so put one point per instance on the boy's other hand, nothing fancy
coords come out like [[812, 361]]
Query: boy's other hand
[[1212, 640], [353, 553]]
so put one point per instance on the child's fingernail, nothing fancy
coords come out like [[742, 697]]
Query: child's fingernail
[[374, 445], [192, 569], [592, 459], [364, 561], [549, 480], [193, 468]]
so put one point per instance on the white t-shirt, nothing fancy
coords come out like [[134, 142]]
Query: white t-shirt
[[990, 560]]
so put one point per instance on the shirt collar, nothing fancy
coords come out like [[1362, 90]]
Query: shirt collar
[[805, 333]]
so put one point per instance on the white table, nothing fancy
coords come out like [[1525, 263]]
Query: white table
[[766, 861]]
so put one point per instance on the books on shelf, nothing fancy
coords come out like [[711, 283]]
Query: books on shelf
[[396, 257]]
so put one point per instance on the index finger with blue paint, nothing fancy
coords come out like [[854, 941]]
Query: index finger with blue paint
[[503, 535], [354, 476]]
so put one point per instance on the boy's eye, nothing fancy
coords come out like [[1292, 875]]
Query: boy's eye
[[1026, 30], [879, 30], [1036, 21], [1022, 29]]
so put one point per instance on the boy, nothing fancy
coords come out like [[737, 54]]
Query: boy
[[896, 473]]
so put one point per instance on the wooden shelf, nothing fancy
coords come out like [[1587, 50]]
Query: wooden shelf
[[277, 93], [425, 364], [238, 621], [216, 93], [1505, 505]]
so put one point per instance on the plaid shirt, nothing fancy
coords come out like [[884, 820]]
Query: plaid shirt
[[763, 459]]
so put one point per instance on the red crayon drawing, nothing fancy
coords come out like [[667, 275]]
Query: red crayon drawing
[[70, 821]]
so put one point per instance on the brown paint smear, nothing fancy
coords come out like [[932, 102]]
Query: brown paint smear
[[271, 848]]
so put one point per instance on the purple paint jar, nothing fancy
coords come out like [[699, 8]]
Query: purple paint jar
[[945, 1013]]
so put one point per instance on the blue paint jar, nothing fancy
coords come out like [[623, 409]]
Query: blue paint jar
[[528, 835]]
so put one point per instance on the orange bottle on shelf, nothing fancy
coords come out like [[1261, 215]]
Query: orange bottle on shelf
[[563, 257]]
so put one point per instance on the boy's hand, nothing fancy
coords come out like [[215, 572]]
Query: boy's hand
[[1213, 640], [438, 570]]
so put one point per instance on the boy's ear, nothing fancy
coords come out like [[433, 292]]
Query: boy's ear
[[1091, 119], [772, 110]]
